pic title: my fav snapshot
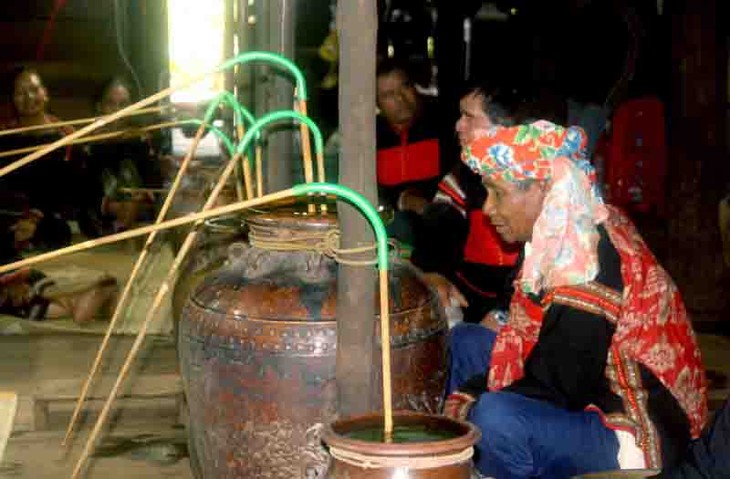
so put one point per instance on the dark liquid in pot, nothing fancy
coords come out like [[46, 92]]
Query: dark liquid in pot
[[402, 434]]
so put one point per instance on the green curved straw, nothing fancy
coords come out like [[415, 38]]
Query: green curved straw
[[246, 114], [243, 115], [267, 57], [277, 116], [361, 203], [238, 109], [227, 98], [224, 138]]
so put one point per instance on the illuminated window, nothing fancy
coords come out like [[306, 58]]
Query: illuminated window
[[196, 47]]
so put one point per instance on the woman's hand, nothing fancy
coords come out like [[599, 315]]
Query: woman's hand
[[411, 200], [491, 320]]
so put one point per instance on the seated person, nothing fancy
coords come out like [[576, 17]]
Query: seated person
[[46, 185], [119, 166], [458, 243], [597, 367], [408, 161], [29, 294]]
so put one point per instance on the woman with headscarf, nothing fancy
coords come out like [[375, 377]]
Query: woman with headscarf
[[597, 367]]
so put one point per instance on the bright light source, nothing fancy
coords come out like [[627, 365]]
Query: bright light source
[[513, 11], [196, 47]]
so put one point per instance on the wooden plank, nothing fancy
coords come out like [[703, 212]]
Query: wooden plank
[[147, 386], [8, 408]]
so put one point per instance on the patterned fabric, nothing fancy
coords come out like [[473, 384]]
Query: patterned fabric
[[652, 329], [458, 405], [562, 250], [524, 152]]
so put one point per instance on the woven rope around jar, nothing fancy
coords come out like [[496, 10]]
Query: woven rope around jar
[[326, 243]]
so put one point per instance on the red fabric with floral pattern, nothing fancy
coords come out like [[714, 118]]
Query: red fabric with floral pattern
[[653, 327]]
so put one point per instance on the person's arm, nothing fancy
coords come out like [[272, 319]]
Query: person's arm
[[440, 246], [567, 364], [565, 367]]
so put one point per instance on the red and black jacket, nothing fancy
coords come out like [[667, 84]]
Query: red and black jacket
[[409, 158]]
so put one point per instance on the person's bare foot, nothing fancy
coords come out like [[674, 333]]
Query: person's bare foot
[[88, 304], [84, 306]]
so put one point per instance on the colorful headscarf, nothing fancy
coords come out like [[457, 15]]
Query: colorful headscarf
[[564, 246]]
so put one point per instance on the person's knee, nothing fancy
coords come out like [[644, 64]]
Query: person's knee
[[458, 335], [466, 336], [504, 449], [499, 415], [497, 410]]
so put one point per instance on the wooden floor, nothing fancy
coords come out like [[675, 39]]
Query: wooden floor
[[40, 359], [37, 364]]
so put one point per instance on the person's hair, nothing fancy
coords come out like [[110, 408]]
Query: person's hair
[[502, 105], [15, 73], [546, 105], [387, 66], [510, 106], [113, 82]]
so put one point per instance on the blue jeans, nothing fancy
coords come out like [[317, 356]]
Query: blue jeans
[[470, 348], [523, 437]]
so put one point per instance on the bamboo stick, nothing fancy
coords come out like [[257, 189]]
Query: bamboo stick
[[240, 131], [141, 231], [101, 136], [306, 148], [321, 177], [247, 180], [58, 124], [385, 356], [132, 277], [320, 167], [154, 191], [259, 171], [162, 291], [239, 190], [89, 128], [126, 111]]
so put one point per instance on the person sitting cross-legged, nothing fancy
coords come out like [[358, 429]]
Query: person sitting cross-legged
[[597, 367]]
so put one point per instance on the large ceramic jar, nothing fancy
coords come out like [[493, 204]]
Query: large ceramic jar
[[209, 253], [257, 346]]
